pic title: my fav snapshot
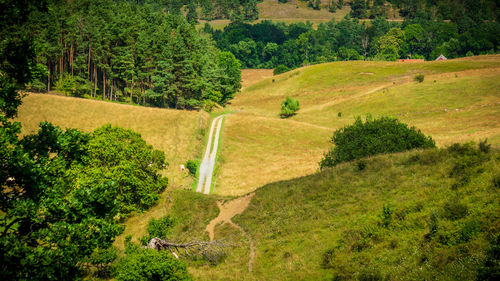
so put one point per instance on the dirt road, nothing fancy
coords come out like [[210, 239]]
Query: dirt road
[[208, 162]]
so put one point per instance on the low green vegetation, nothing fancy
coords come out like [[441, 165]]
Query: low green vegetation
[[419, 78], [192, 166], [280, 69], [371, 137], [400, 216], [288, 107], [148, 264]]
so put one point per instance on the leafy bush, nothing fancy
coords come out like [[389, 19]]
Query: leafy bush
[[147, 264], [419, 78], [281, 69], [158, 228], [454, 209], [124, 158], [496, 181], [192, 166], [288, 107], [374, 136]]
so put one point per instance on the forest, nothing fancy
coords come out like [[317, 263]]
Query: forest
[[129, 52], [268, 44]]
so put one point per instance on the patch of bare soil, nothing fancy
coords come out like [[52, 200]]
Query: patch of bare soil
[[227, 211]]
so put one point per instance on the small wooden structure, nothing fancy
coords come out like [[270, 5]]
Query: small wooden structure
[[440, 58]]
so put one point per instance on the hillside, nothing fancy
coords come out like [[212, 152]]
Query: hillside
[[457, 102], [178, 133], [291, 12], [403, 217]]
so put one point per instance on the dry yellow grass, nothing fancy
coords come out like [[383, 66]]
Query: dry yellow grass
[[252, 76], [463, 104], [292, 12], [257, 150], [173, 131]]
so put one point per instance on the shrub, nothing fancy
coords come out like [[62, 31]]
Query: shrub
[[496, 181], [192, 166], [484, 146], [419, 78], [281, 69], [386, 215], [288, 107], [374, 136], [148, 264], [158, 228], [454, 209]]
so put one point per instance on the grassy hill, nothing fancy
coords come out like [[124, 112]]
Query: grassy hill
[[405, 216], [291, 12], [178, 133], [458, 101]]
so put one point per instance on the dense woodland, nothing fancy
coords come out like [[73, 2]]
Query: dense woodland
[[123, 51], [268, 44]]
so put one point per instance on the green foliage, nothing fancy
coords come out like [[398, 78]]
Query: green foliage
[[491, 267], [374, 136], [51, 223], [280, 69], [192, 166], [419, 78], [158, 228], [288, 107], [147, 264], [131, 51], [386, 215], [454, 209], [124, 158]]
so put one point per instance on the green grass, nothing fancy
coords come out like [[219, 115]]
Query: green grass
[[295, 222], [463, 104]]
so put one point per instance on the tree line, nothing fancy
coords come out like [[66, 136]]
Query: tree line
[[268, 44], [129, 52]]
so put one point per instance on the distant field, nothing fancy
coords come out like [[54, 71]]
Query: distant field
[[291, 12], [458, 101], [175, 132]]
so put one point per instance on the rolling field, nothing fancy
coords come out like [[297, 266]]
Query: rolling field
[[291, 12], [458, 101], [175, 132]]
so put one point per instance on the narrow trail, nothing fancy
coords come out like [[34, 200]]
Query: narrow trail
[[228, 211], [208, 162]]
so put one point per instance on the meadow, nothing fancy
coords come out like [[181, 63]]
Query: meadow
[[288, 13], [458, 101], [400, 217]]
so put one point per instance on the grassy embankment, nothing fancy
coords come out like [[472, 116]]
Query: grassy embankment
[[332, 223], [458, 101], [177, 133]]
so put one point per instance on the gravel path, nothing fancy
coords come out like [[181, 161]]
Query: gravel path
[[208, 162]]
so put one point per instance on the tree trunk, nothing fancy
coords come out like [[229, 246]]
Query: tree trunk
[[132, 88], [103, 85], [90, 48], [72, 54], [95, 80], [48, 78], [112, 84]]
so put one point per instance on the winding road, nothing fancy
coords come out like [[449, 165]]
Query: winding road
[[208, 162]]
